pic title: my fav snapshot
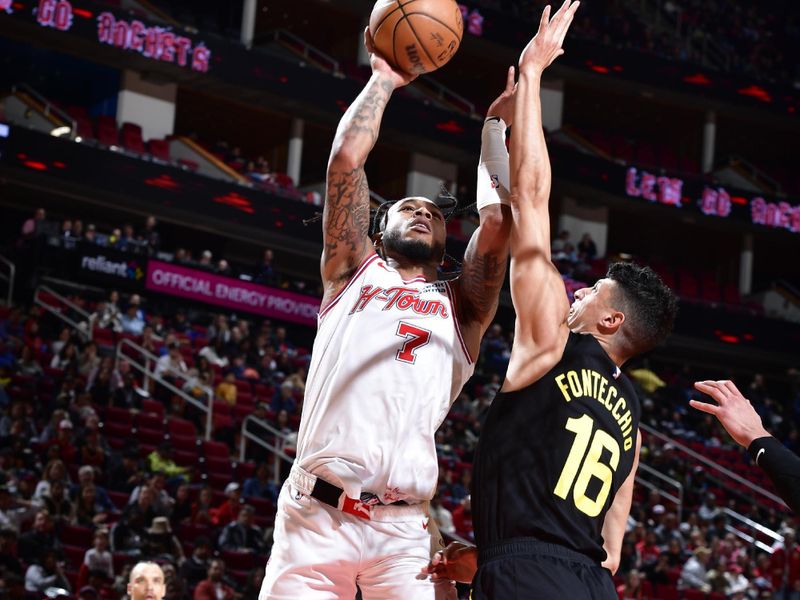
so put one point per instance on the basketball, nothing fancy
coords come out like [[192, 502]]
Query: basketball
[[417, 36]]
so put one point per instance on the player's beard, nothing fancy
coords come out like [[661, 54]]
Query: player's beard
[[413, 250]]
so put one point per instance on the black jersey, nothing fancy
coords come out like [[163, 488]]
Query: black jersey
[[552, 456]]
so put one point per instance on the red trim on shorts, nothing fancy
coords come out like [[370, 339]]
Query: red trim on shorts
[[452, 297], [364, 264]]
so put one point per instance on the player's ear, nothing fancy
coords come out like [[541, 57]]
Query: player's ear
[[611, 321]]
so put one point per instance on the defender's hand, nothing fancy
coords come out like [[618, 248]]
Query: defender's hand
[[457, 562], [503, 106], [382, 66], [545, 47], [733, 410]]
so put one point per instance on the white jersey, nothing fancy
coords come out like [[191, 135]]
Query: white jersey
[[387, 363]]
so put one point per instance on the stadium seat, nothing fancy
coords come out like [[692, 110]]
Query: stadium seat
[[694, 595], [239, 561], [149, 421], [107, 132], [213, 449], [83, 122], [74, 535], [184, 443], [667, 592], [131, 136], [181, 428], [159, 149], [153, 406], [150, 437]]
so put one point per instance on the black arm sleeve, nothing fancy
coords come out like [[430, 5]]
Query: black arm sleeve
[[781, 465]]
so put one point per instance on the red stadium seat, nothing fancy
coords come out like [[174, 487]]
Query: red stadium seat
[[184, 443], [107, 132], [154, 422], [73, 535], [159, 149], [153, 407], [131, 136], [181, 428], [213, 449], [667, 592], [694, 595], [239, 561], [119, 416]]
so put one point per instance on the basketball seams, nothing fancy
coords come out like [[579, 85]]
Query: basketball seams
[[389, 14], [414, 32], [438, 20]]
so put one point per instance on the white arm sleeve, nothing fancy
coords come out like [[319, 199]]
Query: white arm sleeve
[[494, 179]]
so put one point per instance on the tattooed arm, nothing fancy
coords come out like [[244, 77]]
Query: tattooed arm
[[346, 211]]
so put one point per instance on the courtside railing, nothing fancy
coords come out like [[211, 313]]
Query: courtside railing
[[280, 441], [739, 525], [43, 297], [666, 487], [144, 362]]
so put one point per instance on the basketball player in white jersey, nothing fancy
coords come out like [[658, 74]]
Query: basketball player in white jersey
[[394, 347]]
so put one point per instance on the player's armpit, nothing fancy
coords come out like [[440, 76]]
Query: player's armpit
[[617, 516], [483, 273]]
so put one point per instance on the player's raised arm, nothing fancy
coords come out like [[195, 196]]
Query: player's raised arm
[[617, 516], [537, 289], [346, 211], [486, 258]]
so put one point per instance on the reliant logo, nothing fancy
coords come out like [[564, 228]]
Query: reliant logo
[[100, 264]]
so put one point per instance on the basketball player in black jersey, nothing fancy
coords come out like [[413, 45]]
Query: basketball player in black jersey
[[554, 468]]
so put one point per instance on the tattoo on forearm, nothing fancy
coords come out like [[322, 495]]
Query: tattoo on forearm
[[346, 213], [482, 279]]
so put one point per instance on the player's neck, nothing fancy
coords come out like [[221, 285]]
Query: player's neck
[[608, 343], [410, 269]]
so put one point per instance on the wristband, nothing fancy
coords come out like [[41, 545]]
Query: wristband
[[494, 180]]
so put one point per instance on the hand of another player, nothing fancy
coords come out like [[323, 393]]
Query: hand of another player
[[503, 106], [545, 47], [457, 562], [733, 410], [382, 66]]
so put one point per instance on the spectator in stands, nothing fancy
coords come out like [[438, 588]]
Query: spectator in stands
[[632, 588], [150, 235], [41, 537], [58, 504], [9, 563], [442, 516], [161, 461], [13, 511], [161, 542], [128, 474], [128, 534], [77, 230], [695, 572], [98, 557], [261, 484], [785, 565], [229, 509], [558, 243], [223, 268], [587, 249], [462, 519], [67, 358], [226, 390], [283, 399], [130, 395], [63, 441], [206, 258], [182, 506], [89, 359], [195, 568], [33, 227], [736, 584], [171, 365], [45, 572], [133, 320], [202, 508], [709, 510], [87, 511], [242, 535], [213, 587], [266, 272], [90, 237], [27, 363], [55, 470], [110, 316], [127, 241], [158, 499]]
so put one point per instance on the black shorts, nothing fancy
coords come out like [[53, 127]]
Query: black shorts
[[526, 569]]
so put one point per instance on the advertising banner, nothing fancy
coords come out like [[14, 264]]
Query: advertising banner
[[201, 286]]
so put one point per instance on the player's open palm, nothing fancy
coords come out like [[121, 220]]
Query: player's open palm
[[457, 562], [733, 410], [380, 65], [546, 46]]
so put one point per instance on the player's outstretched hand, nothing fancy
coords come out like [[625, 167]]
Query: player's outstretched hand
[[457, 562], [503, 106], [733, 410], [380, 65], [545, 47]]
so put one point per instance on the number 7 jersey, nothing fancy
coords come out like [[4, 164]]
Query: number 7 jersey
[[552, 455], [387, 363]]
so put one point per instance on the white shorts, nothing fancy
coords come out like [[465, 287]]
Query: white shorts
[[321, 553]]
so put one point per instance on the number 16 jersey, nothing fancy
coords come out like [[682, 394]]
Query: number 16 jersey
[[552, 455], [387, 363]]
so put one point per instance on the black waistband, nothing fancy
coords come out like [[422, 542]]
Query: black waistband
[[531, 547], [328, 493]]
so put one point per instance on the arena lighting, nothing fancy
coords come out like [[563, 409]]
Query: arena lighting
[[4, 130], [59, 131]]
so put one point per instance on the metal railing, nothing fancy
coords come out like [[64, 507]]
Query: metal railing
[[85, 327], [444, 95], [756, 175], [276, 449], [676, 498], [755, 528], [757, 490], [49, 109], [302, 48], [147, 369], [12, 273]]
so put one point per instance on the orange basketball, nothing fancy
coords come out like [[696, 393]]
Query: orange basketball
[[417, 36]]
